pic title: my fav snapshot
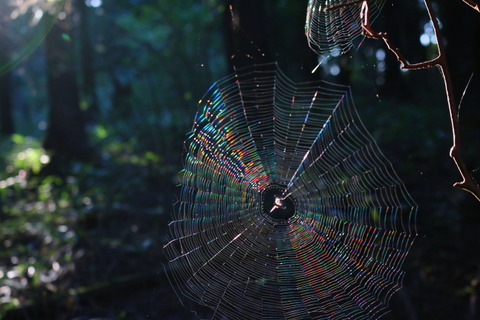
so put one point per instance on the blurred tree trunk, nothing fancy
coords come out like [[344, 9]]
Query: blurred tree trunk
[[269, 31], [462, 46], [87, 57], [403, 23], [6, 112], [66, 127], [286, 30], [245, 30], [394, 82], [119, 66]]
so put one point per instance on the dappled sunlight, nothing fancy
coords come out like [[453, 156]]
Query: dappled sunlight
[[25, 24]]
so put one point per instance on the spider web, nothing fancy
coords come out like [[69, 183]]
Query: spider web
[[335, 24], [336, 252]]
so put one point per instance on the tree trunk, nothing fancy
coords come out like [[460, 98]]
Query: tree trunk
[[87, 57], [245, 30], [461, 44], [6, 112], [403, 27], [66, 128]]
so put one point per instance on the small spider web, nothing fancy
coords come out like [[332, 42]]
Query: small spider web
[[288, 209], [335, 24]]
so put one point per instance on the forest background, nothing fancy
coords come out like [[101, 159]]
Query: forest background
[[96, 98]]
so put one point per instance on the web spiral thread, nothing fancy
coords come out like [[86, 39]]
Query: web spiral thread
[[335, 24], [339, 256]]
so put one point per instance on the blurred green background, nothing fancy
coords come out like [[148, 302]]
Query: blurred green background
[[96, 98]]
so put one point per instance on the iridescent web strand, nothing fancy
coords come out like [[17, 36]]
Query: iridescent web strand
[[339, 256]]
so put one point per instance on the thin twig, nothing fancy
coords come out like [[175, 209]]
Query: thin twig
[[369, 32], [472, 4], [463, 95], [468, 182]]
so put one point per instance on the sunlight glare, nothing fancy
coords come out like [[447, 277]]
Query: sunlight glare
[[44, 159], [93, 3], [334, 70], [424, 39], [380, 54]]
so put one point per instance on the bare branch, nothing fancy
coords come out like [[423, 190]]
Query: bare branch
[[369, 32], [468, 182], [472, 4]]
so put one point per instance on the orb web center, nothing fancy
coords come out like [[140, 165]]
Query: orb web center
[[277, 204]]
